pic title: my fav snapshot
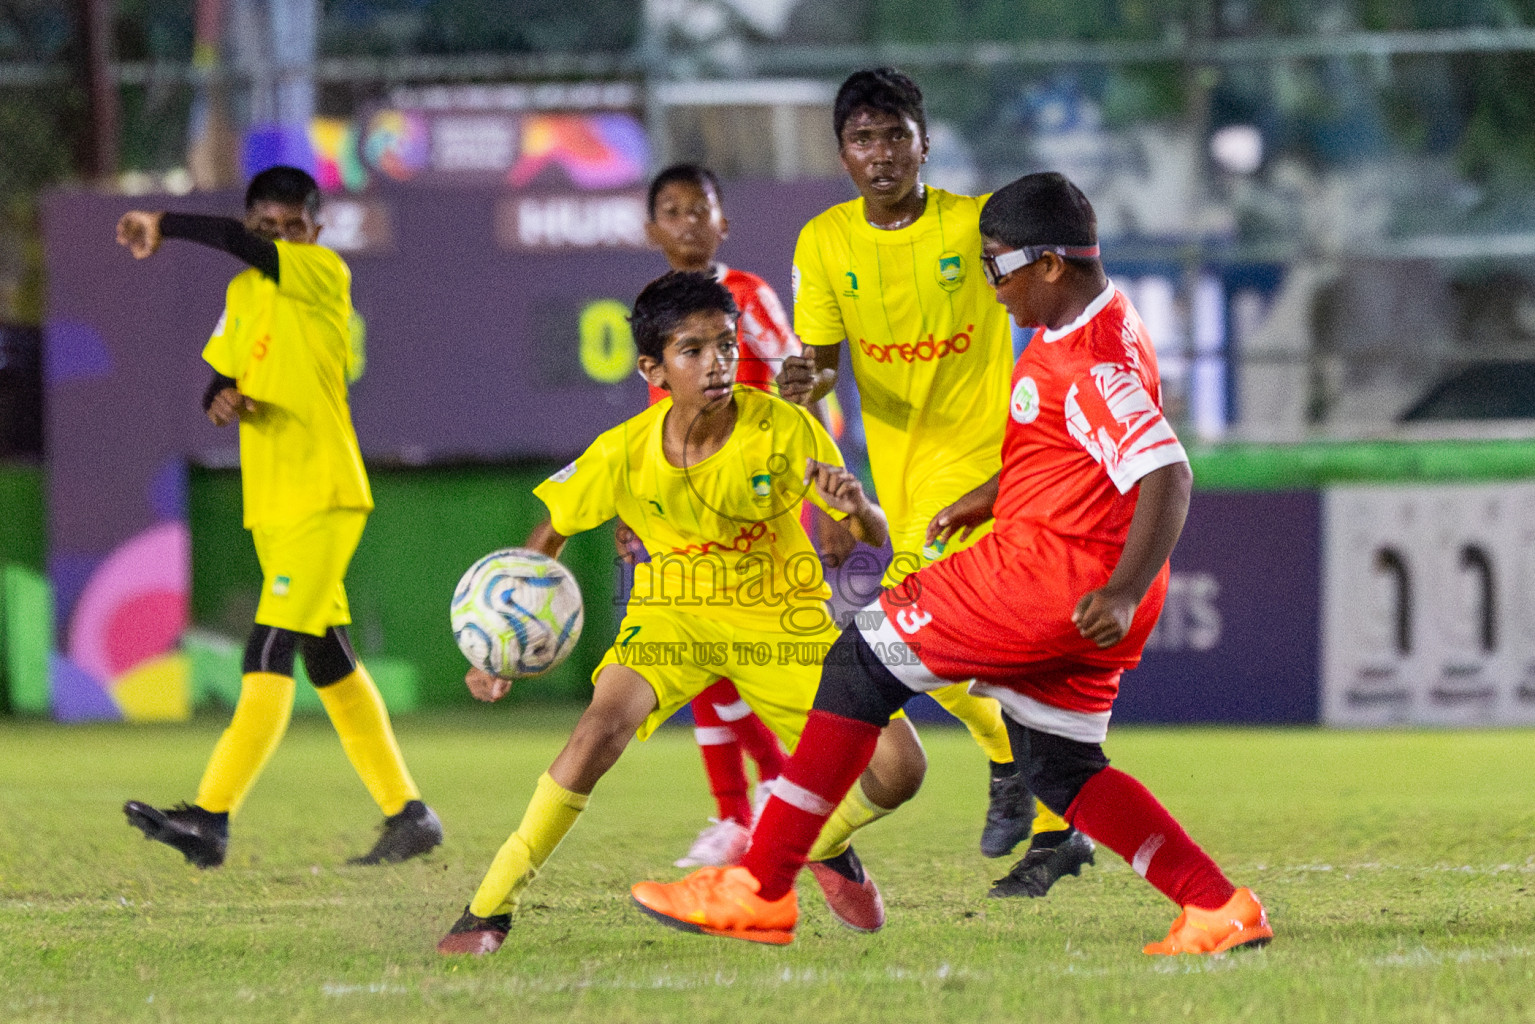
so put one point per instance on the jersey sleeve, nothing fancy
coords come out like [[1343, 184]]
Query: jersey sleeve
[[817, 317], [582, 495], [312, 274], [1114, 418], [822, 448], [219, 352]]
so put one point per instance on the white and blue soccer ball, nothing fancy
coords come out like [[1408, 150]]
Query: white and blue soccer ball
[[516, 613]]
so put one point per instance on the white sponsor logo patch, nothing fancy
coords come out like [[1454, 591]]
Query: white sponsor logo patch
[[1025, 403], [564, 474]]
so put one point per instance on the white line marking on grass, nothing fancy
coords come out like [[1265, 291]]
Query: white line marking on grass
[[777, 979], [1425, 957], [334, 990], [1378, 866]]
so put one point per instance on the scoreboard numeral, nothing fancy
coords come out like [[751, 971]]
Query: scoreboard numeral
[[607, 345]]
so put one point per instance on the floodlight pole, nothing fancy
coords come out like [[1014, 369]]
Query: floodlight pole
[[94, 18]]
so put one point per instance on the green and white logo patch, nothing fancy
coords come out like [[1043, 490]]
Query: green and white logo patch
[[951, 270]]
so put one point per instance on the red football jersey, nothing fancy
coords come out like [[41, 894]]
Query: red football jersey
[[1085, 425], [763, 329]]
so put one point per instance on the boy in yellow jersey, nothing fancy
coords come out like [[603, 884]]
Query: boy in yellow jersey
[[710, 479], [280, 355], [896, 273]]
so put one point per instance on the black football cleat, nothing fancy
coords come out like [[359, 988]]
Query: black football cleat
[[1044, 865], [412, 832], [201, 836], [1009, 816]]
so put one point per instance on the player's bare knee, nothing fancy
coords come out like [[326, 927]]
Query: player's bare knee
[[899, 765]]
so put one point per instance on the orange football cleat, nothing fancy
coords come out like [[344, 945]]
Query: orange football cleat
[[1241, 922], [720, 901]]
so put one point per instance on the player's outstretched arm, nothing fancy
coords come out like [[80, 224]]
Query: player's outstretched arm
[[1103, 615], [841, 490], [962, 517], [809, 376], [545, 539], [142, 231], [138, 231]]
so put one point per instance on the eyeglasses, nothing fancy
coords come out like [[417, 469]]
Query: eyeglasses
[[998, 267]]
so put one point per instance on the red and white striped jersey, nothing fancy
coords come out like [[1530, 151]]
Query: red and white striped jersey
[[1085, 424]]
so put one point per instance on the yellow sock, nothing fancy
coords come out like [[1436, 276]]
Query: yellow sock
[[1046, 820], [854, 812], [981, 715], [361, 720], [550, 815], [260, 719]]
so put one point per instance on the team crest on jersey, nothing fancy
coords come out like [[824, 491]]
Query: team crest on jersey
[[951, 270], [851, 291], [1025, 403], [281, 585], [762, 484]]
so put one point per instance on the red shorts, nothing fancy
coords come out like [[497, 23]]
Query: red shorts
[[1000, 614]]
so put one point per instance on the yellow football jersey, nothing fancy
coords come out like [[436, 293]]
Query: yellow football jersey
[[288, 346], [724, 534], [931, 349]]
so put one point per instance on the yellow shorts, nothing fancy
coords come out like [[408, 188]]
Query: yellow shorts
[[303, 565], [680, 656], [908, 539]]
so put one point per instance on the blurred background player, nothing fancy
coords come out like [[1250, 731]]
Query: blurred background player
[[674, 473], [894, 272], [280, 357], [1045, 612], [687, 223]]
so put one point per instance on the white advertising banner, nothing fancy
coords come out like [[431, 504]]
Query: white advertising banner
[[1428, 616]]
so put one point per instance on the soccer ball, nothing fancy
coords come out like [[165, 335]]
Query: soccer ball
[[516, 613]]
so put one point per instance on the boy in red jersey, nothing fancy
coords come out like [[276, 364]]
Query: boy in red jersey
[[687, 223], [1045, 613], [893, 274]]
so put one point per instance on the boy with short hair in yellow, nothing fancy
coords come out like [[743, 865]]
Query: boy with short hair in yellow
[[280, 356], [710, 479], [894, 273]]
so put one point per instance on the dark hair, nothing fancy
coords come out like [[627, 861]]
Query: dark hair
[[671, 299], [884, 89], [695, 173], [1040, 209], [283, 184]]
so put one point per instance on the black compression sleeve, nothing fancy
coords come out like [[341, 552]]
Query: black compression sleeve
[[217, 384], [224, 233]]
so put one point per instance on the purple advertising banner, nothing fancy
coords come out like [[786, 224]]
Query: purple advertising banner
[[1239, 637], [495, 329]]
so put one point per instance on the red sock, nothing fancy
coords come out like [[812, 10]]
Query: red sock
[[832, 753], [722, 758], [1122, 814], [761, 746]]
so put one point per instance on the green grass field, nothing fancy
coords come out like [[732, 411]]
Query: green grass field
[[1397, 869]]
